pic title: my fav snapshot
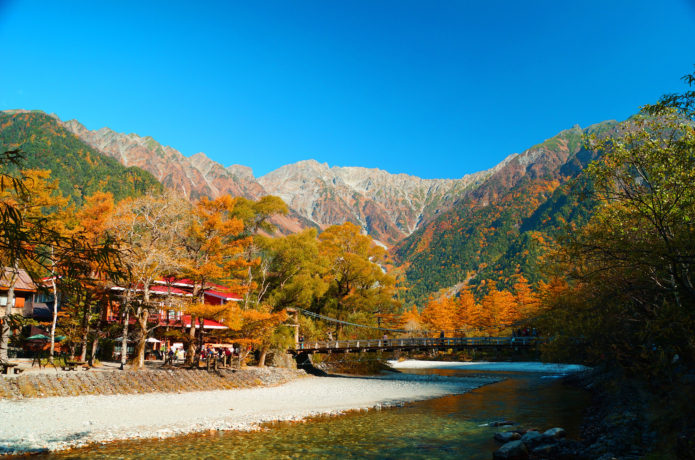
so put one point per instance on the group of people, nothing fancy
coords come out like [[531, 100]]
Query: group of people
[[218, 352], [174, 355], [525, 332], [208, 352]]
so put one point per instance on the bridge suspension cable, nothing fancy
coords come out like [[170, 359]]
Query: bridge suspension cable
[[334, 320]]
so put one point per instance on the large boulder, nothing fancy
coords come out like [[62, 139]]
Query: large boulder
[[546, 450], [507, 436], [532, 439], [281, 359], [555, 433], [514, 450]]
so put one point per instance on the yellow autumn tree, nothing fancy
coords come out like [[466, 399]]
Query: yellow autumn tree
[[357, 280], [258, 330]]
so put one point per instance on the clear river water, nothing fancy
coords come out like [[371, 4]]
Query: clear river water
[[452, 427]]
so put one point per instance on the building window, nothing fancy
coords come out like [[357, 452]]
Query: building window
[[44, 297]]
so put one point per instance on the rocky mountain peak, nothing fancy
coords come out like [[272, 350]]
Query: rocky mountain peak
[[387, 206], [241, 171]]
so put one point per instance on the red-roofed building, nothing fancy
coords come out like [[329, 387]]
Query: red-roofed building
[[173, 288], [24, 290]]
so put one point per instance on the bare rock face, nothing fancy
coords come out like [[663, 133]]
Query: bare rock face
[[387, 206], [167, 164]]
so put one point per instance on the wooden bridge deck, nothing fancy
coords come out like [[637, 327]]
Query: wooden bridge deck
[[414, 344]]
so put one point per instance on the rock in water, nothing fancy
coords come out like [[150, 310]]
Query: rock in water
[[545, 450], [502, 423], [555, 433], [507, 436], [532, 439], [515, 450]]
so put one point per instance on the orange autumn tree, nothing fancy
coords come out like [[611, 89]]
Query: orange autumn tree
[[410, 320], [44, 200], [212, 251], [93, 225], [498, 309], [466, 311], [527, 300], [440, 314]]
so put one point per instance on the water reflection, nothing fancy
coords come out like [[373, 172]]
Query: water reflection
[[448, 427]]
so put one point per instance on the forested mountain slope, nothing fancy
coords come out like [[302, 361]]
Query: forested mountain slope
[[80, 169], [498, 229]]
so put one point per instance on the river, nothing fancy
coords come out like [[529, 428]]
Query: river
[[442, 428]]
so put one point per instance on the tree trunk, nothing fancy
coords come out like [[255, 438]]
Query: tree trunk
[[261, 357], [243, 354], [190, 351], [201, 323], [95, 344], [51, 353], [85, 326], [143, 315], [6, 331], [124, 339], [4, 339]]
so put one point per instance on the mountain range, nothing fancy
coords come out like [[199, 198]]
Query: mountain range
[[442, 232], [387, 206]]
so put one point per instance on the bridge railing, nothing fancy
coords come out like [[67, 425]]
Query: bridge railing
[[413, 342]]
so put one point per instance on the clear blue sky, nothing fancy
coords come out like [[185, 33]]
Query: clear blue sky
[[429, 88]]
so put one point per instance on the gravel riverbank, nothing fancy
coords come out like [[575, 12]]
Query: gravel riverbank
[[57, 423]]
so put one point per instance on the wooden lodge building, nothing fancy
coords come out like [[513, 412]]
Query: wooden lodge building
[[169, 294], [24, 292]]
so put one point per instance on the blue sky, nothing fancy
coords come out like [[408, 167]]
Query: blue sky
[[429, 88]]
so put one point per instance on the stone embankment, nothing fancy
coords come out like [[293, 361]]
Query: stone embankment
[[139, 382]]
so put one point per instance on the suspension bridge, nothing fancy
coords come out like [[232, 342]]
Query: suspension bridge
[[403, 344]]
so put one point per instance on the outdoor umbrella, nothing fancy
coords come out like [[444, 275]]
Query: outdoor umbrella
[[57, 338]]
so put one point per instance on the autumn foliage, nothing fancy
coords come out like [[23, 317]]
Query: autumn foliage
[[496, 312]]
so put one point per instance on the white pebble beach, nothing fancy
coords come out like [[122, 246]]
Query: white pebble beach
[[58, 423]]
